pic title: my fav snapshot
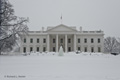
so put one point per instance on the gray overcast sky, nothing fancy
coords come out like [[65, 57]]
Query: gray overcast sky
[[90, 14]]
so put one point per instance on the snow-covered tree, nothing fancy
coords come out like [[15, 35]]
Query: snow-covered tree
[[110, 44], [11, 26], [118, 43]]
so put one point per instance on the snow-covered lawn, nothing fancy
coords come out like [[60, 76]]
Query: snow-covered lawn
[[50, 66]]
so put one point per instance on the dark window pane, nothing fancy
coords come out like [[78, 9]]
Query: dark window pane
[[53, 49], [31, 40], [85, 49], [79, 48], [85, 40], [92, 40], [37, 40], [92, 49], [31, 49], [24, 40], [53, 40], [99, 49], [69, 40], [44, 40], [69, 49], [37, 49], [24, 49], [44, 49], [78, 40], [98, 40]]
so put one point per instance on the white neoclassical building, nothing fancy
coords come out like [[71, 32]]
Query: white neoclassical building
[[66, 36]]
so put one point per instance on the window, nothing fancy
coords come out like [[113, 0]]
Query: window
[[69, 40], [85, 40], [85, 49], [69, 49], [53, 49], [44, 40], [37, 49], [53, 40], [78, 40], [37, 40], [92, 49], [92, 40], [31, 49], [99, 49], [79, 48], [24, 40], [61, 40], [24, 49], [44, 49], [98, 40], [31, 40]]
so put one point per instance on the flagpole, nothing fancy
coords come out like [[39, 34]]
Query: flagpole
[[61, 18]]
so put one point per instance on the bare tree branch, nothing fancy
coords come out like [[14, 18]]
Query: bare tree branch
[[11, 26], [110, 44]]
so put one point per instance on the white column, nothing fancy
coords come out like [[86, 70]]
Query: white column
[[66, 48], [56, 42], [74, 42], [48, 42]]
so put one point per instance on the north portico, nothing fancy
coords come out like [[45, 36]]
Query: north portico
[[66, 36], [61, 35]]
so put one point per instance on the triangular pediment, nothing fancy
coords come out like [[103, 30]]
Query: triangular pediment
[[62, 28]]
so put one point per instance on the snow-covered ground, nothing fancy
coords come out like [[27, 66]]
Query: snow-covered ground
[[50, 66]]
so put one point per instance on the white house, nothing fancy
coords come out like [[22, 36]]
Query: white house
[[66, 36]]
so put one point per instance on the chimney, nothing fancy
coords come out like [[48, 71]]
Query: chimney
[[80, 28]]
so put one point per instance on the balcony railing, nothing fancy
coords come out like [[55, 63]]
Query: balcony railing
[[91, 31]]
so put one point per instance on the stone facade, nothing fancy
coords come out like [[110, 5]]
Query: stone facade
[[67, 37]]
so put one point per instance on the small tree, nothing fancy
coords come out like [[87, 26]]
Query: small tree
[[118, 43], [11, 26], [110, 44]]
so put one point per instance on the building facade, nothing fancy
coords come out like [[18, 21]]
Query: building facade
[[66, 36]]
